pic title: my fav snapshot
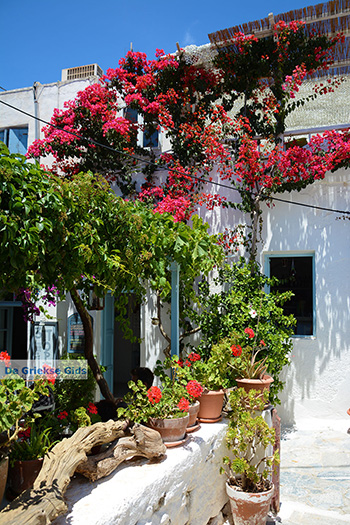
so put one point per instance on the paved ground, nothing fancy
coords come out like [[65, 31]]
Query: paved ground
[[315, 474]]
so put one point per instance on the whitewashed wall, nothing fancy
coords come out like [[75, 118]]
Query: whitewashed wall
[[318, 379]]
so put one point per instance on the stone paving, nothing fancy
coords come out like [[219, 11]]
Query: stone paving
[[315, 474]]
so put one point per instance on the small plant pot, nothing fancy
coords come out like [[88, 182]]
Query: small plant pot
[[171, 430], [4, 467], [193, 413], [255, 384], [249, 508], [23, 474], [211, 404]]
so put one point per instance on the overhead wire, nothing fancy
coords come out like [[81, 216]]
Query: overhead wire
[[163, 166]]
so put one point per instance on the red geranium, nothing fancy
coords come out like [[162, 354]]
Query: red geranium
[[4, 356], [249, 332], [236, 350], [194, 388], [62, 415], [194, 357], [154, 394], [92, 408], [183, 404]]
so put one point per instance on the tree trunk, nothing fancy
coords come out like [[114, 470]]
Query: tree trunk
[[255, 225], [88, 348]]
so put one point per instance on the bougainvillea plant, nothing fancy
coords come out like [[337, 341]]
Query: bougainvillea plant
[[243, 94]]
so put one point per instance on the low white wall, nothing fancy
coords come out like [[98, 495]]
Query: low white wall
[[184, 487]]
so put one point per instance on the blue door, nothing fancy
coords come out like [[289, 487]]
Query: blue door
[[107, 346]]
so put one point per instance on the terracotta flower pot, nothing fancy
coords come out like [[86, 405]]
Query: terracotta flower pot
[[211, 404], [23, 474], [255, 384], [193, 413], [4, 467], [249, 508], [171, 430]]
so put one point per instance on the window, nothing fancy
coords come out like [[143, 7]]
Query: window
[[149, 139], [16, 139], [296, 273], [13, 328]]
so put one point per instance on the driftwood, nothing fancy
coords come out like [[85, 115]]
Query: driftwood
[[44, 502], [141, 443]]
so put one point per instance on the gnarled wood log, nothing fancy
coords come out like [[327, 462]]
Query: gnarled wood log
[[44, 502], [143, 442]]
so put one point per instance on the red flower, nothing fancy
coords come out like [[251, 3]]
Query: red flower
[[249, 332], [194, 388], [62, 415], [187, 363], [180, 363], [262, 343], [24, 434], [92, 408], [194, 357], [183, 404], [4, 356], [154, 394], [236, 350]]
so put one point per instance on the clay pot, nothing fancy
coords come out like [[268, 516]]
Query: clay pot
[[249, 508], [23, 474], [255, 384], [193, 413], [4, 467], [171, 430], [211, 404]]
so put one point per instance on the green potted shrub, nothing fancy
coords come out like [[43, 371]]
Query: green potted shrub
[[165, 408], [249, 464], [27, 455], [212, 374], [16, 399], [248, 371]]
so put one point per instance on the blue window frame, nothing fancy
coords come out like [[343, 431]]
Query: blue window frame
[[16, 139], [296, 272]]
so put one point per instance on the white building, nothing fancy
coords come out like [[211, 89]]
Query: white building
[[309, 241]]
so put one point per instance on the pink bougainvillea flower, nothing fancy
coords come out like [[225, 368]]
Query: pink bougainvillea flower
[[249, 332], [154, 394], [236, 350]]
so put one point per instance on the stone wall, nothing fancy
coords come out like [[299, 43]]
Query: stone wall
[[186, 487]]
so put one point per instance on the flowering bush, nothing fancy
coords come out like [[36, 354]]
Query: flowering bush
[[64, 423], [16, 399], [32, 443], [170, 401], [242, 361], [197, 374]]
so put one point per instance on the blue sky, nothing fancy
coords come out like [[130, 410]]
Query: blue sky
[[41, 38]]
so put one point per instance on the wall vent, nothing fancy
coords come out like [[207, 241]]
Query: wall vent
[[74, 73]]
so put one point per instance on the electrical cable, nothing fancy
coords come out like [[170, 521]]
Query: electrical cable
[[165, 167]]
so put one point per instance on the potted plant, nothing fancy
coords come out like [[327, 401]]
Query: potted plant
[[164, 409], [27, 455], [213, 375], [171, 370], [250, 373], [249, 464], [16, 399]]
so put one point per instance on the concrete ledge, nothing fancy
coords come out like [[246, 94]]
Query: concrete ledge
[[185, 487]]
